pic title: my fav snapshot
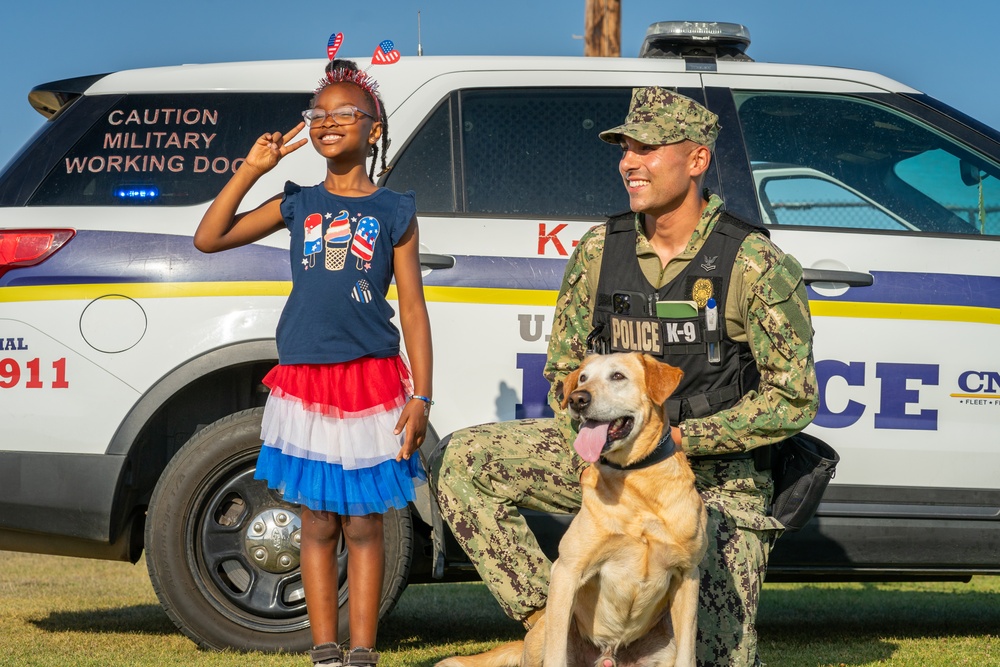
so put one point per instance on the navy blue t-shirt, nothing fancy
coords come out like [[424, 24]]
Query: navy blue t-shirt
[[341, 254]]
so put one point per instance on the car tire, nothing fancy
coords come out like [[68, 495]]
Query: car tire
[[222, 549]]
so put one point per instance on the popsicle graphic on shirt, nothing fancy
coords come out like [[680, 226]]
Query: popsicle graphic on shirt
[[313, 239], [365, 236], [337, 237]]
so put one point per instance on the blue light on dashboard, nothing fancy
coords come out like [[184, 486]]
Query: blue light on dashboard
[[137, 193]]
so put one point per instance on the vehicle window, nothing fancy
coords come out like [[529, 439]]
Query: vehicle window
[[166, 150], [426, 164], [524, 152], [957, 184], [804, 200], [862, 165]]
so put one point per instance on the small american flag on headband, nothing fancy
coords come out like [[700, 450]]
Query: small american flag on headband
[[385, 53], [332, 46]]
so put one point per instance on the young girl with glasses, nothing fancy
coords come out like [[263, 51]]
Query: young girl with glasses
[[346, 414]]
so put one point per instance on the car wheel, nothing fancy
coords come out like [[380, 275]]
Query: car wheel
[[223, 550]]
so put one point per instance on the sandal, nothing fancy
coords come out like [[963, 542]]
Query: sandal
[[360, 656], [327, 655]]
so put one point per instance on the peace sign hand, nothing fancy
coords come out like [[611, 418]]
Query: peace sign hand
[[270, 147]]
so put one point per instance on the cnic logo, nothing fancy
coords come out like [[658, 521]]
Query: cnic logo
[[978, 388], [979, 384]]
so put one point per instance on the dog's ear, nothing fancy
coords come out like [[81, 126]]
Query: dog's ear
[[661, 379], [569, 386]]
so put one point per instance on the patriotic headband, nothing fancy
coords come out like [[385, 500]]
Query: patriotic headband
[[385, 54], [360, 79]]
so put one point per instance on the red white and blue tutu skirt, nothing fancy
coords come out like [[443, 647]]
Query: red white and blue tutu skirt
[[328, 436]]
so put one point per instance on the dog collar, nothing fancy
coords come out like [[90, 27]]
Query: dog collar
[[664, 450]]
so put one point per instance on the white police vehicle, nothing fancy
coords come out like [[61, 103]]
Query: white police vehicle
[[130, 363]]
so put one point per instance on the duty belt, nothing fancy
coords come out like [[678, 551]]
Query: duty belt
[[737, 456], [761, 457]]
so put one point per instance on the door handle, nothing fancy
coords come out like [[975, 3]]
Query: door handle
[[432, 261], [849, 278]]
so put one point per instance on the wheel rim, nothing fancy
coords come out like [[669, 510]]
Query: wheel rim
[[244, 551]]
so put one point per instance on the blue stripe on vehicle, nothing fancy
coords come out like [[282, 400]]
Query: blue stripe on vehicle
[[131, 257], [126, 257], [533, 273], [101, 257], [939, 289]]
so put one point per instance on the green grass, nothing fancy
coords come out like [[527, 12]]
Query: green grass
[[63, 611], [881, 624]]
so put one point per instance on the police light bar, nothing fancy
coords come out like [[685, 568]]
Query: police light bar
[[677, 39], [143, 193]]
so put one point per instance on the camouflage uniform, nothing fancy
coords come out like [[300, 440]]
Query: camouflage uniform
[[485, 473]]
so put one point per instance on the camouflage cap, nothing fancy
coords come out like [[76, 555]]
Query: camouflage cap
[[659, 116]]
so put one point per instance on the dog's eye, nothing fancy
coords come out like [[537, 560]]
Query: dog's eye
[[617, 376], [583, 378]]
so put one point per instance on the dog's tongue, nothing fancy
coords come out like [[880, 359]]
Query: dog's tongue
[[590, 441]]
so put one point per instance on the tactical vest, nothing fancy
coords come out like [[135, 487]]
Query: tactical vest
[[627, 318]]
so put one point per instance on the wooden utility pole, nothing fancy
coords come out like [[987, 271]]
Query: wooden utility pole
[[603, 28]]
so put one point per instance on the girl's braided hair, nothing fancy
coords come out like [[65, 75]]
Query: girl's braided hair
[[346, 71]]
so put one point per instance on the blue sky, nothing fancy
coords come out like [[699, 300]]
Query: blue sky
[[928, 45]]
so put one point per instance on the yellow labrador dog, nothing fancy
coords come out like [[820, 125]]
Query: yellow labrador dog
[[624, 590]]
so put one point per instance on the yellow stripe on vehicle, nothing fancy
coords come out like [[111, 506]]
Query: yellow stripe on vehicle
[[518, 297], [144, 290], [479, 295], [487, 295], [904, 311]]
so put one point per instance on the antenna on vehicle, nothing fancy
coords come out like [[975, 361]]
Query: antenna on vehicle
[[420, 47]]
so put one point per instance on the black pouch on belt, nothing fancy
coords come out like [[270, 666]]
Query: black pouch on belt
[[803, 466]]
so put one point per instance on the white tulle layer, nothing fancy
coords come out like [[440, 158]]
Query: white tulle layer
[[357, 443]]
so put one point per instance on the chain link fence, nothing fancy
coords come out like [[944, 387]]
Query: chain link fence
[[862, 215]]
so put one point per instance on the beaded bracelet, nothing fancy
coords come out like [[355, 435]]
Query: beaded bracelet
[[427, 403]]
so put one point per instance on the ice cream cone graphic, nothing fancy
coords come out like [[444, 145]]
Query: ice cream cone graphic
[[337, 238]]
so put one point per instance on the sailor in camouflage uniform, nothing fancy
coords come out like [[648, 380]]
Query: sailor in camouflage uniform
[[483, 475]]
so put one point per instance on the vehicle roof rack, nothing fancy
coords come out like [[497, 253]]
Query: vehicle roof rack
[[696, 39]]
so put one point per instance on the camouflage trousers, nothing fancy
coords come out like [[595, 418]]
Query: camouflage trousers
[[740, 536], [483, 477], [484, 474]]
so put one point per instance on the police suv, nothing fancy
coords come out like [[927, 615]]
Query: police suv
[[131, 364]]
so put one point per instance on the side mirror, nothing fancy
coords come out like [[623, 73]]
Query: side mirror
[[971, 175]]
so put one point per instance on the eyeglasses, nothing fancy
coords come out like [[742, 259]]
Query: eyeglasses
[[348, 115]]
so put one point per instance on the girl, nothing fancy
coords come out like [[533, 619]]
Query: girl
[[343, 418]]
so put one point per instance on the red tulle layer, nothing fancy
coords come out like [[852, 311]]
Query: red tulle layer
[[356, 388]]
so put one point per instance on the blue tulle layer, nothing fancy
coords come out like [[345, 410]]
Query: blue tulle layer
[[329, 487]]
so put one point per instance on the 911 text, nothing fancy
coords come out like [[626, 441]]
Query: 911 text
[[12, 374]]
